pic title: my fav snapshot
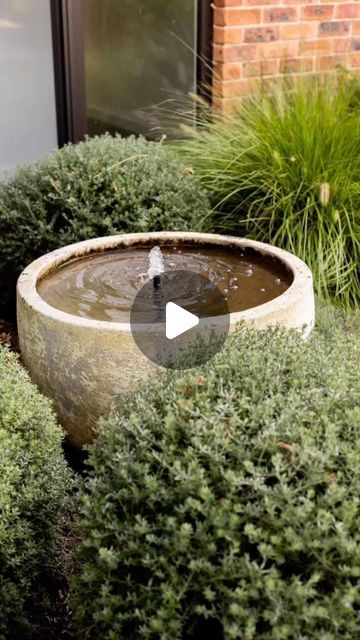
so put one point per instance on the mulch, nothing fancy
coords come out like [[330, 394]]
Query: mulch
[[8, 335]]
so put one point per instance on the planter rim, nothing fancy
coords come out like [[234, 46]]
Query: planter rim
[[27, 282]]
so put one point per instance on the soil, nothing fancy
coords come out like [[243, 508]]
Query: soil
[[8, 335]]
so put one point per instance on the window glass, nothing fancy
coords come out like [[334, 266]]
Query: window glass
[[139, 54], [27, 105]]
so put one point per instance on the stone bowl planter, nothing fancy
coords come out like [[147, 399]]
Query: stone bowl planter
[[84, 364]]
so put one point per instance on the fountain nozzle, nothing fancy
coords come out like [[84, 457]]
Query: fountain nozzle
[[157, 283]]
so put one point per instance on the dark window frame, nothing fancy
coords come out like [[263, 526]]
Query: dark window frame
[[67, 33], [204, 70], [67, 17]]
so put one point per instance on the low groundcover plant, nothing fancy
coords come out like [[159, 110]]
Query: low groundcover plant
[[224, 503], [34, 480]]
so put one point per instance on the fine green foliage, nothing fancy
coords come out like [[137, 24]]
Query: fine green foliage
[[223, 502], [284, 168], [33, 483], [96, 188]]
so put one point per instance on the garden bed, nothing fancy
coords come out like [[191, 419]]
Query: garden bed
[[214, 496]]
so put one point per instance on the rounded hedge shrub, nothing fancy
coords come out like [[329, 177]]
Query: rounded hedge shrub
[[224, 503], [34, 479], [99, 187]]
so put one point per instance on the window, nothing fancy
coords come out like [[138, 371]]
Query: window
[[27, 107], [124, 62], [138, 55]]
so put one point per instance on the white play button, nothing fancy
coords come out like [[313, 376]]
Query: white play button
[[166, 311], [178, 320]]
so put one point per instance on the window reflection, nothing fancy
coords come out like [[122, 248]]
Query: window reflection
[[138, 54]]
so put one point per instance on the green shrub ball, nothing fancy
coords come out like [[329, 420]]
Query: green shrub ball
[[34, 480], [224, 502], [102, 186]]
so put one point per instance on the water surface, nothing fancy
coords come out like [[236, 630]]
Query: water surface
[[102, 286]]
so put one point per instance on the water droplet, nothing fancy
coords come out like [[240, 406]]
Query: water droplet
[[233, 283], [248, 272], [213, 276], [277, 281], [142, 278], [226, 290], [262, 289]]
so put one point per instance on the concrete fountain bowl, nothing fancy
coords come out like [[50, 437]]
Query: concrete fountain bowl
[[84, 364]]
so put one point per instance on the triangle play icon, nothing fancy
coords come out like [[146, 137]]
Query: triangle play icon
[[178, 320]]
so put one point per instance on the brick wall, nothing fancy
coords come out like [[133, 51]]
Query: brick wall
[[265, 38]]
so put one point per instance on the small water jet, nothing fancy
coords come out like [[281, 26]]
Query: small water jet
[[156, 266]]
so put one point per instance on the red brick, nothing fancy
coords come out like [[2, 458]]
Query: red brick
[[280, 14], [341, 45], [325, 63], [347, 11], [221, 53], [230, 89], [255, 40], [318, 12], [229, 53], [253, 3], [224, 35], [298, 30], [261, 68], [227, 105], [278, 49], [228, 71], [321, 45], [235, 17], [334, 28], [261, 34], [296, 65], [355, 59]]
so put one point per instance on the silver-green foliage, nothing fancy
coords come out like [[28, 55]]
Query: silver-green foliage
[[224, 502], [285, 168], [33, 483], [96, 188]]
